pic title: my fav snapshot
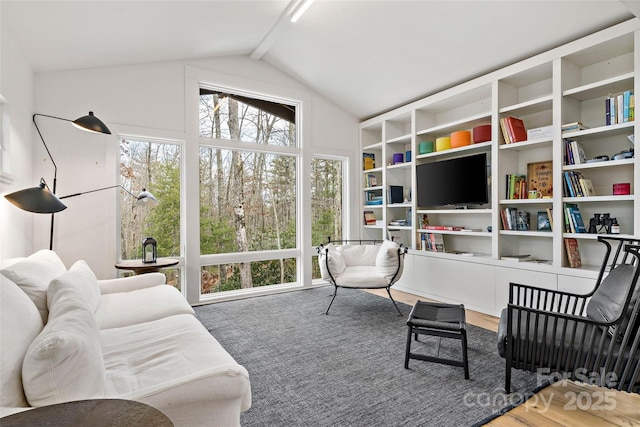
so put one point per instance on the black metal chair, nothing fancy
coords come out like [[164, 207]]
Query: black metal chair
[[368, 269], [592, 337]]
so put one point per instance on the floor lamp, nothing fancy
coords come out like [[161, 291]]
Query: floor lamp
[[41, 199]]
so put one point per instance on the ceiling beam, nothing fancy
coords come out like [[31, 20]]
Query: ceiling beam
[[282, 25]]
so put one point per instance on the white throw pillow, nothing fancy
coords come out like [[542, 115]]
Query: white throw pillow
[[20, 323], [335, 261], [82, 280], [65, 361], [387, 260], [33, 275]]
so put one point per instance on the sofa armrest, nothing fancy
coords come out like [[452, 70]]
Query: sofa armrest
[[131, 283]]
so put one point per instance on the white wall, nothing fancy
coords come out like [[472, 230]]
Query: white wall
[[149, 100], [16, 86]]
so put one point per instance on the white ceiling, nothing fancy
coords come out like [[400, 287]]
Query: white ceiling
[[366, 56]]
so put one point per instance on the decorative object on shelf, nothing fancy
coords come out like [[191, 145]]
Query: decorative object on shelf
[[149, 250], [395, 194], [460, 138], [443, 143], [543, 132], [603, 223], [540, 177], [407, 156], [43, 200], [398, 158], [621, 189], [535, 194], [425, 147], [481, 133]]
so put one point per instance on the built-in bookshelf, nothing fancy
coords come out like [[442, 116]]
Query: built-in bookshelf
[[560, 96]]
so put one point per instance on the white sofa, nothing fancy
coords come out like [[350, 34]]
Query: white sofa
[[67, 336]]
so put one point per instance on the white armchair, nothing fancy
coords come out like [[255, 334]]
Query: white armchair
[[361, 264]]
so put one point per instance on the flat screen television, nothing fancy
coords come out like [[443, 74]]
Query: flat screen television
[[460, 182]]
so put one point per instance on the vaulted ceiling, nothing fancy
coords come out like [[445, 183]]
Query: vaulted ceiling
[[366, 56]]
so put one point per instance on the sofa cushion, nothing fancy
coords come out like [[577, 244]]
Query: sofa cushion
[[608, 301], [362, 277], [65, 361], [169, 350], [33, 275], [82, 280], [388, 260], [141, 305], [20, 322]]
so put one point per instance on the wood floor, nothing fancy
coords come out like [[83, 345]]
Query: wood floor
[[565, 403]]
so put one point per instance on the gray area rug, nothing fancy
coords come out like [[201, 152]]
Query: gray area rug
[[347, 368]]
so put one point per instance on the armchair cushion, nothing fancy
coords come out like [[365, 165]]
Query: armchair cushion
[[387, 260], [33, 275], [355, 255], [335, 260], [21, 323], [81, 279], [64, 362]]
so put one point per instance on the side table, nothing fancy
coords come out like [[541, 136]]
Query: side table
[[139, 267], [93, 412]]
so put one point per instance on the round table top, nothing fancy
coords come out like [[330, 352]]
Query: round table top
[[94, 412], [137, 265]]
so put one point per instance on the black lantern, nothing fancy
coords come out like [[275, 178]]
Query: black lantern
[[149, 250]]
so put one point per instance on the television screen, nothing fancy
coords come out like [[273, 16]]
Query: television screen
[[460, 181]]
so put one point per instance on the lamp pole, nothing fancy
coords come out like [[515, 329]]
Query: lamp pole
[[55, 169]]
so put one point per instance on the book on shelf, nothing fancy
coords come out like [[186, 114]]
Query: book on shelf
[[573, 252], [523, 221], [540, 132], [567, 216], [619, 108], [576, 223], [435, 242], [369, 218], [516, 186], [550, 216], [516, 257], [443, 227], [368, 161], [587, 187], [544, 224], [372, 180], [508, 217], [515, 129], [574, 152]]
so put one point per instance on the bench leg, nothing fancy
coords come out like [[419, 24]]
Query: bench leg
[[408, 349], [465, 359]]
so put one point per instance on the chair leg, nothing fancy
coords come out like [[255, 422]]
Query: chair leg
[[335, 292], [507, 377], [394, 302], [408, 349]]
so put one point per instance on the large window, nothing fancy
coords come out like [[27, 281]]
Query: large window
[[154, 166], [248, 191], [326, 202]]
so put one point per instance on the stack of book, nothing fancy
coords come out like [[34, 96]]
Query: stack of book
[[516, 186], [369, 218], [620, 108], [574, 152], [513, 129], [573, 222], [573, 127], [432, 242], [513, 219], [575, 185]]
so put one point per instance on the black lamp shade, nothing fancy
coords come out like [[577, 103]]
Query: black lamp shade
[[91, 123], [36, 199]]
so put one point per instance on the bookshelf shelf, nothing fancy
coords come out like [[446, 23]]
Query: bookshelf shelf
[[601, 88], [467, 149], [530, 107], [600, 131], [543, 234], [527, 145], [526, 201], [597, 165]]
